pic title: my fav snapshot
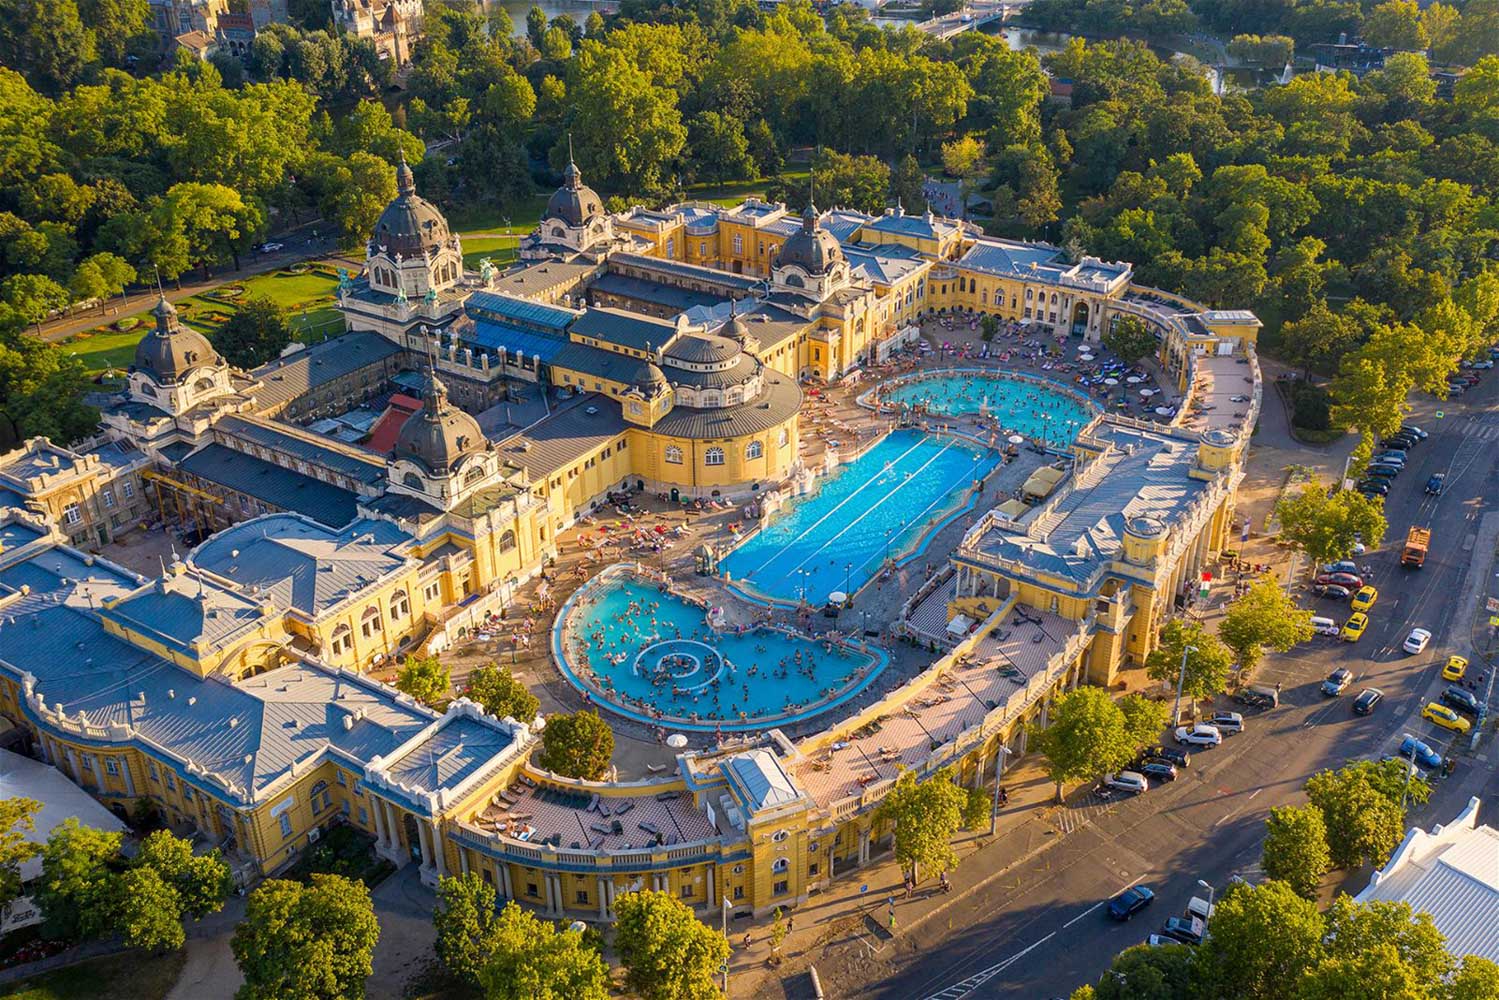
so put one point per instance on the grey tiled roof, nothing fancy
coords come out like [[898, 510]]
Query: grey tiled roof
[[565, 436], [781, 398], [271, 484], [744, 369], [287, 378], [540, 277], [366, 468], [603, 363], [627, 329], [680, 299], [302, 564], [449, 755], [771, 325], [187, 611]]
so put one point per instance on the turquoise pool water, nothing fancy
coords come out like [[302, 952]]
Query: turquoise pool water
[[1029, 408], [879, 503], [652, 656]]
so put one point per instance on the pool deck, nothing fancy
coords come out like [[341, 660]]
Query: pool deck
[[951, 705], [579, 820]]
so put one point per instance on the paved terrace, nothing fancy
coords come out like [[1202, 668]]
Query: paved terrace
[[1224, 394], [999, 666], [534, 812]]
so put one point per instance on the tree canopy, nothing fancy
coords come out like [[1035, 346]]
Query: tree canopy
[[1089, 734], [306, 942], [501, 694], [1327, 527], [579, 745], [926, 814], [668, 953], [1264, 617]]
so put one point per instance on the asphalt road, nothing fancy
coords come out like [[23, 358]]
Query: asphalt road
[[1043, 931]]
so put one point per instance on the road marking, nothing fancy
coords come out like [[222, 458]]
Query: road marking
[[961, 989]]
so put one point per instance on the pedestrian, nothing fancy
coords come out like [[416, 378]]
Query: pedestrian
[[1277, 688], [790, 922], [746, 940]]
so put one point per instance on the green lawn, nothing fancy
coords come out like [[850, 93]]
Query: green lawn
[[489, 219], [735, 192], [500, 250], [132, 976]]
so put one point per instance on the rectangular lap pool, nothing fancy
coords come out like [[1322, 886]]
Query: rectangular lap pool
[[882, 502]]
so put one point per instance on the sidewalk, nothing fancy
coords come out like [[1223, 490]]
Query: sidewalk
[[849, 922]]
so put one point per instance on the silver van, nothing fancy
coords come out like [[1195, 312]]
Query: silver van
[[1325, 626]]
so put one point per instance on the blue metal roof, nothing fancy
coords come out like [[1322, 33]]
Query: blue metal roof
[[514, 340], [502, 308]]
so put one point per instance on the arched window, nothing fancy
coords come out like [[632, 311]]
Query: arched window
[[780, 866], [1029, 294], [673, 455], [320, 797], [755, 450], [412, 481], [507, 540], [795, 281], [710, 397], [473, 475], [1053, 298], [343, 640], [400, 605], [369, 622], [713, 456]]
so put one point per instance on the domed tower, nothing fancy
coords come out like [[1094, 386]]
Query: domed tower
[[441, 453], [811, 262], [176, 368], [574, 218], [411, 252]]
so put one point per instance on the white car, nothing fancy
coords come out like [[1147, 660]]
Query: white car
[[1416, 641], [1127, 781], [271, 247], [1200, 735]]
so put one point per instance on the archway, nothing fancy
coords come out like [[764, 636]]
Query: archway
[[1080, 318], [413, 837]]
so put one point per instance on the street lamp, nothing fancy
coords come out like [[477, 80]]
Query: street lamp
[[999, 776], [1209, 888], [1181, 676], [725, 932], [847, 569]]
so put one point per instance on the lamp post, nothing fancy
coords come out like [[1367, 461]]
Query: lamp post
[[725, 931], [1181, 676], [999, 775], [848, 568], [1209, 888]]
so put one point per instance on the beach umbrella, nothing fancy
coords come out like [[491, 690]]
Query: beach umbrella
[[1164, 411], [676, 741], [1016, 439], [1147, 393], [837, 597], [1135, 379], [1111, 381], [1086, 357]]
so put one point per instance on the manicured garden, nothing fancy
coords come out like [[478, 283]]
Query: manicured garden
[[131, 976], [343, 850]]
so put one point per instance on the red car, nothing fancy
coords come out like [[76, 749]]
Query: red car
[[1351, 580]]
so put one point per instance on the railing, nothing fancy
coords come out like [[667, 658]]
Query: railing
[[506, 849]]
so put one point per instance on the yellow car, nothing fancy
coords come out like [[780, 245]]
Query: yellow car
[[1455, 668], [1355, 627], [1441, 715], [1365, 598]]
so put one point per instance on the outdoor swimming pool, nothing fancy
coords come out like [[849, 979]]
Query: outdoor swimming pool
[[1035, 409], [879, 504], [651, 655]]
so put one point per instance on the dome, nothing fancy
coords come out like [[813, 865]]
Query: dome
[[171, 350], [704, 349], [736, 329], [439, 435], [812, 248], [411, 225], [575, 203]]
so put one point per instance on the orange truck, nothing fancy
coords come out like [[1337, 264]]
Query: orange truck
[[1417, 541]]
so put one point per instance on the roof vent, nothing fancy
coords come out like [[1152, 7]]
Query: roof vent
[[348, 722], [171, 692], [233, 722], [193, 700], [234, 553]]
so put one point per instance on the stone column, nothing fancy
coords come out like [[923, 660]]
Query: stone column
[[712, 888], [603, 898], [129, 779], [392, 825], [379, 815], [978, 770], [863, 847], [507, 891], [422, 833], [73, 766], [434, 834], [462, 859], [46, 748], [554, 893]]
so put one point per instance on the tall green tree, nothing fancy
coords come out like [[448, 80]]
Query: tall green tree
[[465, 920], [200, 883], [1265, 616], [628, 129], [1364, 824], [77, 891], [579, 745], [926, 814], [1295, 850], [531, 959], [1163, 972], [1326, 527], [306, 942], [255, 334], [1087, 736], [1208, 660], [1130, 339], [46, 41], [501, 694], [668, 953], [17, 819], [425, 678], [908, 183], [1265, 939]]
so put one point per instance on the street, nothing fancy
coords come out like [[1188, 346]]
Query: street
[[1041, 931]]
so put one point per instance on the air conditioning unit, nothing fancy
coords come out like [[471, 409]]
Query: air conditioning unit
[[314, 834]]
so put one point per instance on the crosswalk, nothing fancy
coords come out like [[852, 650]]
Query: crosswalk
[[1480, 427], [1072, 818]]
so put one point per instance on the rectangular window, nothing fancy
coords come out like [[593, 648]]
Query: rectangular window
[[738, 892], [687, 892], [171, 782], [780, 888], [364, 816], [127, 488], [187, 793], [72, 513], [341, 779], [108, 496], [88, 762], [111, 766], [531, 889], [738, 243], [812, 869], [151, 768], [285, 825], [581, 897]]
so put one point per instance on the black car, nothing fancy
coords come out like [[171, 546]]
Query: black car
[[1187, 930], [1336, 591], [1158, 770], [1366, 701], [1131, 901], [1461, 699], [1378, 487], [1171, 755], [1402, 441]]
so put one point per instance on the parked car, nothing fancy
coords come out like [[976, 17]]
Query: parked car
[[1413, 429], [1377, 487], [1416, 641], [1455, 668], [1390, 458], [1345, 566], [1462, 699], [1158, 770], [1456, 388], [1365, 598], [1435, 484], [1227, 722], [1351, 580], [1445, 718], [1367, 700], [1354, 628], [1131, 901], [1416, 750], [1404, 440], [1334, 590], [1171, 755], [1258, 696], [1187, 930], [1337, 682], [1200, 735], [1199, 908], [1381, 472], [271, 247], [1127, 781]]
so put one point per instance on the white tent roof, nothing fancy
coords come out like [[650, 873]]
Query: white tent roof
[[22, 777]]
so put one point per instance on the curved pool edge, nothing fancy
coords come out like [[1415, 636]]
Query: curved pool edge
[[922, 375], [597, 698]]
